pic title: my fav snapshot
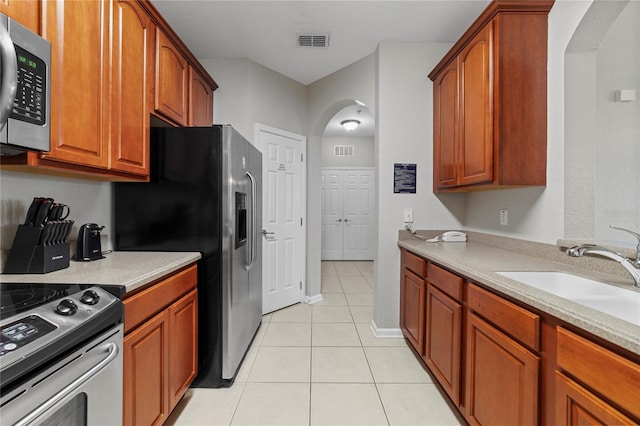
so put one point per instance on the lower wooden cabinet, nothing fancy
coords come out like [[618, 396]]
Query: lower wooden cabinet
[[146, 362], [502, 362], [609, 384], [412, 308], [575, 406], [501, 377], [443, 340], [183, 348], [160, 348]]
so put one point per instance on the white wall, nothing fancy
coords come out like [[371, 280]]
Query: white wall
[[363, 149], [250, 93], [326, 97], [405, 135], [90, 201], [617, 153]]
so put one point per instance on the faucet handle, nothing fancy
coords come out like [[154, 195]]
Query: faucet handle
[[635, 234]]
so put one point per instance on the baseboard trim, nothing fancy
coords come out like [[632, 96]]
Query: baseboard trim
[[313, 299], [386, 333]]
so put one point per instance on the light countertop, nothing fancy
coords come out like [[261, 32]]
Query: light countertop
[[479, 262], [128, 269]]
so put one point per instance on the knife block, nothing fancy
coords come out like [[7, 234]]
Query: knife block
[[27, 256]]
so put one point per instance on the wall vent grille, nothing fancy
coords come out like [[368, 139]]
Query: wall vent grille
[[343, 151], [313, 40]]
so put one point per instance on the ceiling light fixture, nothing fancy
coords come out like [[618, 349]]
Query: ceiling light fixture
[[350, 125]]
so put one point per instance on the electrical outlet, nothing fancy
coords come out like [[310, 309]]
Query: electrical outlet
[[408, 215], [504, 217]]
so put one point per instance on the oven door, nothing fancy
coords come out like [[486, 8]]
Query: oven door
[[83, 388]]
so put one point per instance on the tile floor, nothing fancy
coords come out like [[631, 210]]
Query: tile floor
[[321, 365]]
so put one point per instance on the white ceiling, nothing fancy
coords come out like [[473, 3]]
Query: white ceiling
[[266, 31]]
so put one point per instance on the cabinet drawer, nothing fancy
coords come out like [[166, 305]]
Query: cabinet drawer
[[607, 373], [514, 320], [147, 303], [415, 264], [447, 282]]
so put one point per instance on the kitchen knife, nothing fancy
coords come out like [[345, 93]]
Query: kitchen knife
[[43, 212], [56, 235], [33, 210], [45, 236], [67, 230]]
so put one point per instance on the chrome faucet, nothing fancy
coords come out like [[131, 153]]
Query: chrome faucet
[[631, 265]]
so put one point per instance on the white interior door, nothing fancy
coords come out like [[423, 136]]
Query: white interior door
[[283, 245], [347, 213], [332, 217], [358, 215]]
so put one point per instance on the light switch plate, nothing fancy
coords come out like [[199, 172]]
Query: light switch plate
[[504, 217], [408, 215]]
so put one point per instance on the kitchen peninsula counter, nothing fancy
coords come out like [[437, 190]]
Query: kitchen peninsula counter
[[130, 270], [482, 256]]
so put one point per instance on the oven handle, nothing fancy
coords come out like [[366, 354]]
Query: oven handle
[[113, 350], [9, 83]]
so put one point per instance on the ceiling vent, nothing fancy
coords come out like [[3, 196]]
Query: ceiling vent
[[313, 40]]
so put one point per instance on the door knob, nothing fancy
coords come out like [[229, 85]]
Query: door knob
[[347, 220], [339, 220]]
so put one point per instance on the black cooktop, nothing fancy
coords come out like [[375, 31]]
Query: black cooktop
[[17, 298]]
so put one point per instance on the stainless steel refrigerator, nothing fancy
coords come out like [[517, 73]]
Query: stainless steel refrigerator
[[204, 194]]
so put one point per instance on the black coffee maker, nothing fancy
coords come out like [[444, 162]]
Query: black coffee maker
[[89, 247]]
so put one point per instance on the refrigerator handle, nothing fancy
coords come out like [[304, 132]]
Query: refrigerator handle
[[252, 242]]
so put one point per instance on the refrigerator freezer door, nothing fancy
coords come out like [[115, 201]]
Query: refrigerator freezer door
[[240, 317]]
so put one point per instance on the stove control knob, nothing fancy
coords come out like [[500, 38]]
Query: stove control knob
[[66, 307], [90, 297]]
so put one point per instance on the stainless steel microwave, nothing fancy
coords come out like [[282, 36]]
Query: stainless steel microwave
[[24, 89]]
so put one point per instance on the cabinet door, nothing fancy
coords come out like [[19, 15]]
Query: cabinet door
[[501, 378], [445, 127], [200, 101], [575, 405], [25, 12], [172, 80], [146, 361], [79, 34], [183, 351], [132, 79], [412, 315], [476, 109], [443, 338]]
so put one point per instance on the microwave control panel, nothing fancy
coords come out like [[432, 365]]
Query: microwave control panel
[[30, 103]]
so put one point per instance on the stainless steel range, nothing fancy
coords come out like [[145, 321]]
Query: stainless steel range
[[60, 355]]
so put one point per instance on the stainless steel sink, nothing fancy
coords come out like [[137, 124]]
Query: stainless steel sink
[[618, 302]]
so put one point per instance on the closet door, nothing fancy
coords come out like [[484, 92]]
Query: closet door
[[358, 198], [332, 217], [347, 214]]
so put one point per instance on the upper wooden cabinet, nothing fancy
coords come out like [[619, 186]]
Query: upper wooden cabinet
[[200, 100], [172, 81], [490, 96], [27, 12], [131, 87], [113, 63], [80, 101]]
